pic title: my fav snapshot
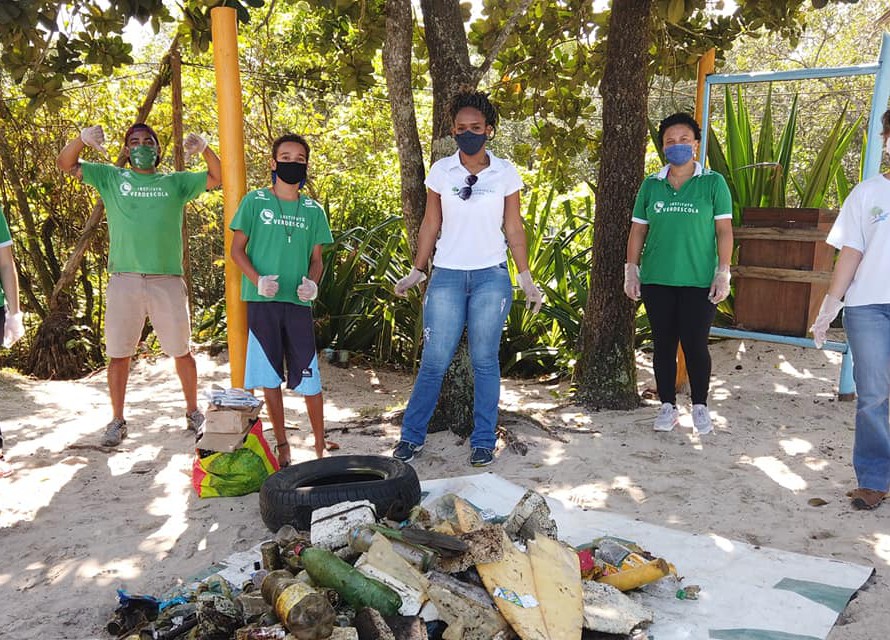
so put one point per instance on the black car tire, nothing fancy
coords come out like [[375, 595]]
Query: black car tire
[[290, 495]]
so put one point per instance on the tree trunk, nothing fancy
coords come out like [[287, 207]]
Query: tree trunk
[[397, 67], [32, 239], [179, 162], [450, 67], [605, 375], [56, 353]]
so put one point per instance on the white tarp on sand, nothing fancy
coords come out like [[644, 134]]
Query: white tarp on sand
[[748, 593]]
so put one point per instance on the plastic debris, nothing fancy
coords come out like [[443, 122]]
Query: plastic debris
[[689, 592]]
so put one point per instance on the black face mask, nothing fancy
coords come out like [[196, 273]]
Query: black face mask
[[291, 172]]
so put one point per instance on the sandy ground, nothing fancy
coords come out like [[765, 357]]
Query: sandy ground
[[77, 522]]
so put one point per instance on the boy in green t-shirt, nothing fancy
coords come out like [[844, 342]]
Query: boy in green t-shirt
[[277, 244], [144, 209], [11, 326]]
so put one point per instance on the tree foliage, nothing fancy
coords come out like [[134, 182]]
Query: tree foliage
[[316, 66], [46, 42]]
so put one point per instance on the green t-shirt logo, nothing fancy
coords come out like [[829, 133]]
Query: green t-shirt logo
[[681, 245], [280, 239], [144, 213]]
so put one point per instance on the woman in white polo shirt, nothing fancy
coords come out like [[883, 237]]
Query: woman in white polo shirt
[[862, 233], [471, 218]]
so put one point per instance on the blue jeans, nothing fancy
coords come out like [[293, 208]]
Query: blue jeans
[[480, 300], [868, 333]]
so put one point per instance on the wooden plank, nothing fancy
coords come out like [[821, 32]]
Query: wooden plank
[[513, 575], [558, 587], [774, 273], [778, 233], [789, 218]]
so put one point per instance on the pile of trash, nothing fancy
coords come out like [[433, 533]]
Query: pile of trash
[[449, 571]]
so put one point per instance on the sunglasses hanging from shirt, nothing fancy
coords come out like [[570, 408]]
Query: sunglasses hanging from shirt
[[467, 191]]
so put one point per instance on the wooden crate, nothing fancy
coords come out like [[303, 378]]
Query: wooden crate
[[784, 267]]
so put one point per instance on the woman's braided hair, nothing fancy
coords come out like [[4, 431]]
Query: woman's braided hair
[[467, 96]]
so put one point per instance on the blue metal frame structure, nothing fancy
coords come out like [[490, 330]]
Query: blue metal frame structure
[[872, 164]]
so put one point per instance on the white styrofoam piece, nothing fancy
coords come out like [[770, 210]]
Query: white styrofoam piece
[[412, 598], [331, 525]]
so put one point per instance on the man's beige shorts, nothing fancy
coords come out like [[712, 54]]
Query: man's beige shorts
[[131, 297]]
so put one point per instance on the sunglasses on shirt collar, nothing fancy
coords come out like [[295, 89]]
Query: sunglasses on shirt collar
[[467, 191]]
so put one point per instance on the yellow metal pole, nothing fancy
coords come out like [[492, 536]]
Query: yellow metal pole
[[707, 64], [224, 27]]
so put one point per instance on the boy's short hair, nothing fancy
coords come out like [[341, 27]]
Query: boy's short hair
[[289, 137]]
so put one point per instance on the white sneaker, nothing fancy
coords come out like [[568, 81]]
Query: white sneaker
[[667, 418], [701, 419]]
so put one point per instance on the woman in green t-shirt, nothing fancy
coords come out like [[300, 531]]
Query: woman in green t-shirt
[[678, 254]]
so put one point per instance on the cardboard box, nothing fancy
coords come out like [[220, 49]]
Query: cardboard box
[[225, 442], [231, 421]]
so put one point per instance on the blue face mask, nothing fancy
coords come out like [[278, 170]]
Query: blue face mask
[[678, 154], [470, 143]]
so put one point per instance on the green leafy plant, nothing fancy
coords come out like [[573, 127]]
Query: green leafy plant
[[758, 169], [357, 309]]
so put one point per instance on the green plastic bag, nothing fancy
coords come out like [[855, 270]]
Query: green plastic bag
[[237, 473]]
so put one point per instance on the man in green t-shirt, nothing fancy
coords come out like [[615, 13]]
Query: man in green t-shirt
[[144, 209], [277, 244], [11, 326]]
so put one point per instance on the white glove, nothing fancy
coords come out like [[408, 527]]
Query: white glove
[[94, 137], [533, 295], [720, 285], [831, 306], [14, 329], [632, 281], [193, 145], [308, 290], [267, 286], [416, 276]]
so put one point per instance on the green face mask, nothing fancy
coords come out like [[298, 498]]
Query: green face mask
[[143, 156]]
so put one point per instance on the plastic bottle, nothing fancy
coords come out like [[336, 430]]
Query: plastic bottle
[[689, 592], [625, 567], [327, 570], [274, 583], [305, 612], [420, 558]]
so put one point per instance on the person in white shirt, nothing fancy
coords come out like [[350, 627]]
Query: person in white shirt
[[472, 216], [862, 233]]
